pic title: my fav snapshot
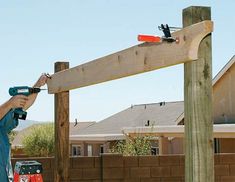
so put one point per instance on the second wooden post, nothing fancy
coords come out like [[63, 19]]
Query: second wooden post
[[199, 154]]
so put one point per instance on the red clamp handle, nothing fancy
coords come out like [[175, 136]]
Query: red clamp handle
[[149, 38]]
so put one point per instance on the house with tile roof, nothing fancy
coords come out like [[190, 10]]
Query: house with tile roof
[[102, 136]]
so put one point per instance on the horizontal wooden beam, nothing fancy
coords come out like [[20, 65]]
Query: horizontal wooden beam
[[137, 59]]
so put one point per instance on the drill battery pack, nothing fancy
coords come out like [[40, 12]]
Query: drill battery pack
[[28, 171]]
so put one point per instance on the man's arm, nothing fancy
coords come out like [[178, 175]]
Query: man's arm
[[21, 101]]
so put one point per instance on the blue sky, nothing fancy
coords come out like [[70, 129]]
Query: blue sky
[[35, 34]]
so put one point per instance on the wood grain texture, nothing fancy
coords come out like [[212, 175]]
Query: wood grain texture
[[199, 165], [61, 173], [137, 59]]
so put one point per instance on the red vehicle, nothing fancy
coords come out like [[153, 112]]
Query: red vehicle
[[28, 171]]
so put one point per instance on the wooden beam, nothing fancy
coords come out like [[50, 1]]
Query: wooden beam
[[138, 59], [199, 153], [61, 172]]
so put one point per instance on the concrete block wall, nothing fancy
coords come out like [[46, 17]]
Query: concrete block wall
[[116, 168]]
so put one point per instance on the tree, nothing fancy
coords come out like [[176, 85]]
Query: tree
[[133, 146], [40, 141]]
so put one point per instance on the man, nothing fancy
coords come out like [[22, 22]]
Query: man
[[8, 123]]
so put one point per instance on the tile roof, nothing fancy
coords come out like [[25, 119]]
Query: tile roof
[[157, 114], [76, 128]]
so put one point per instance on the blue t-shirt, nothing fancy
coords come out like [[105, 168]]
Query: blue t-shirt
[[7, 123]]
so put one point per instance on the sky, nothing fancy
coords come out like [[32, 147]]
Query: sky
[[36, 34]]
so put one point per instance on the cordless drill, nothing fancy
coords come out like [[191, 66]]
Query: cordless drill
[[19, 113]]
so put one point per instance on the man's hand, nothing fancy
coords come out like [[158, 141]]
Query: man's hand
[[41, 81], [18, 101]]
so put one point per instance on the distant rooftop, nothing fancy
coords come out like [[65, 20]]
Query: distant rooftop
[[154, 114]]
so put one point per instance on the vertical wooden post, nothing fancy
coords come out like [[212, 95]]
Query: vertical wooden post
[[199, 155], [61, 173]]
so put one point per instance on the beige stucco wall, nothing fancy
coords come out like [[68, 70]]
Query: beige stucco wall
[[177, 146], [224, 97], [172, 146]]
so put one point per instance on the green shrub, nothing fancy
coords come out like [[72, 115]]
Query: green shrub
[[40, 141], [133, 146]]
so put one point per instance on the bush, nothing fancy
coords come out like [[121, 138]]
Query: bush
[[133, 146], [40, 141]]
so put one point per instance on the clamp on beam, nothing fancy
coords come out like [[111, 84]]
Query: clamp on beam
[[167, 35]]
